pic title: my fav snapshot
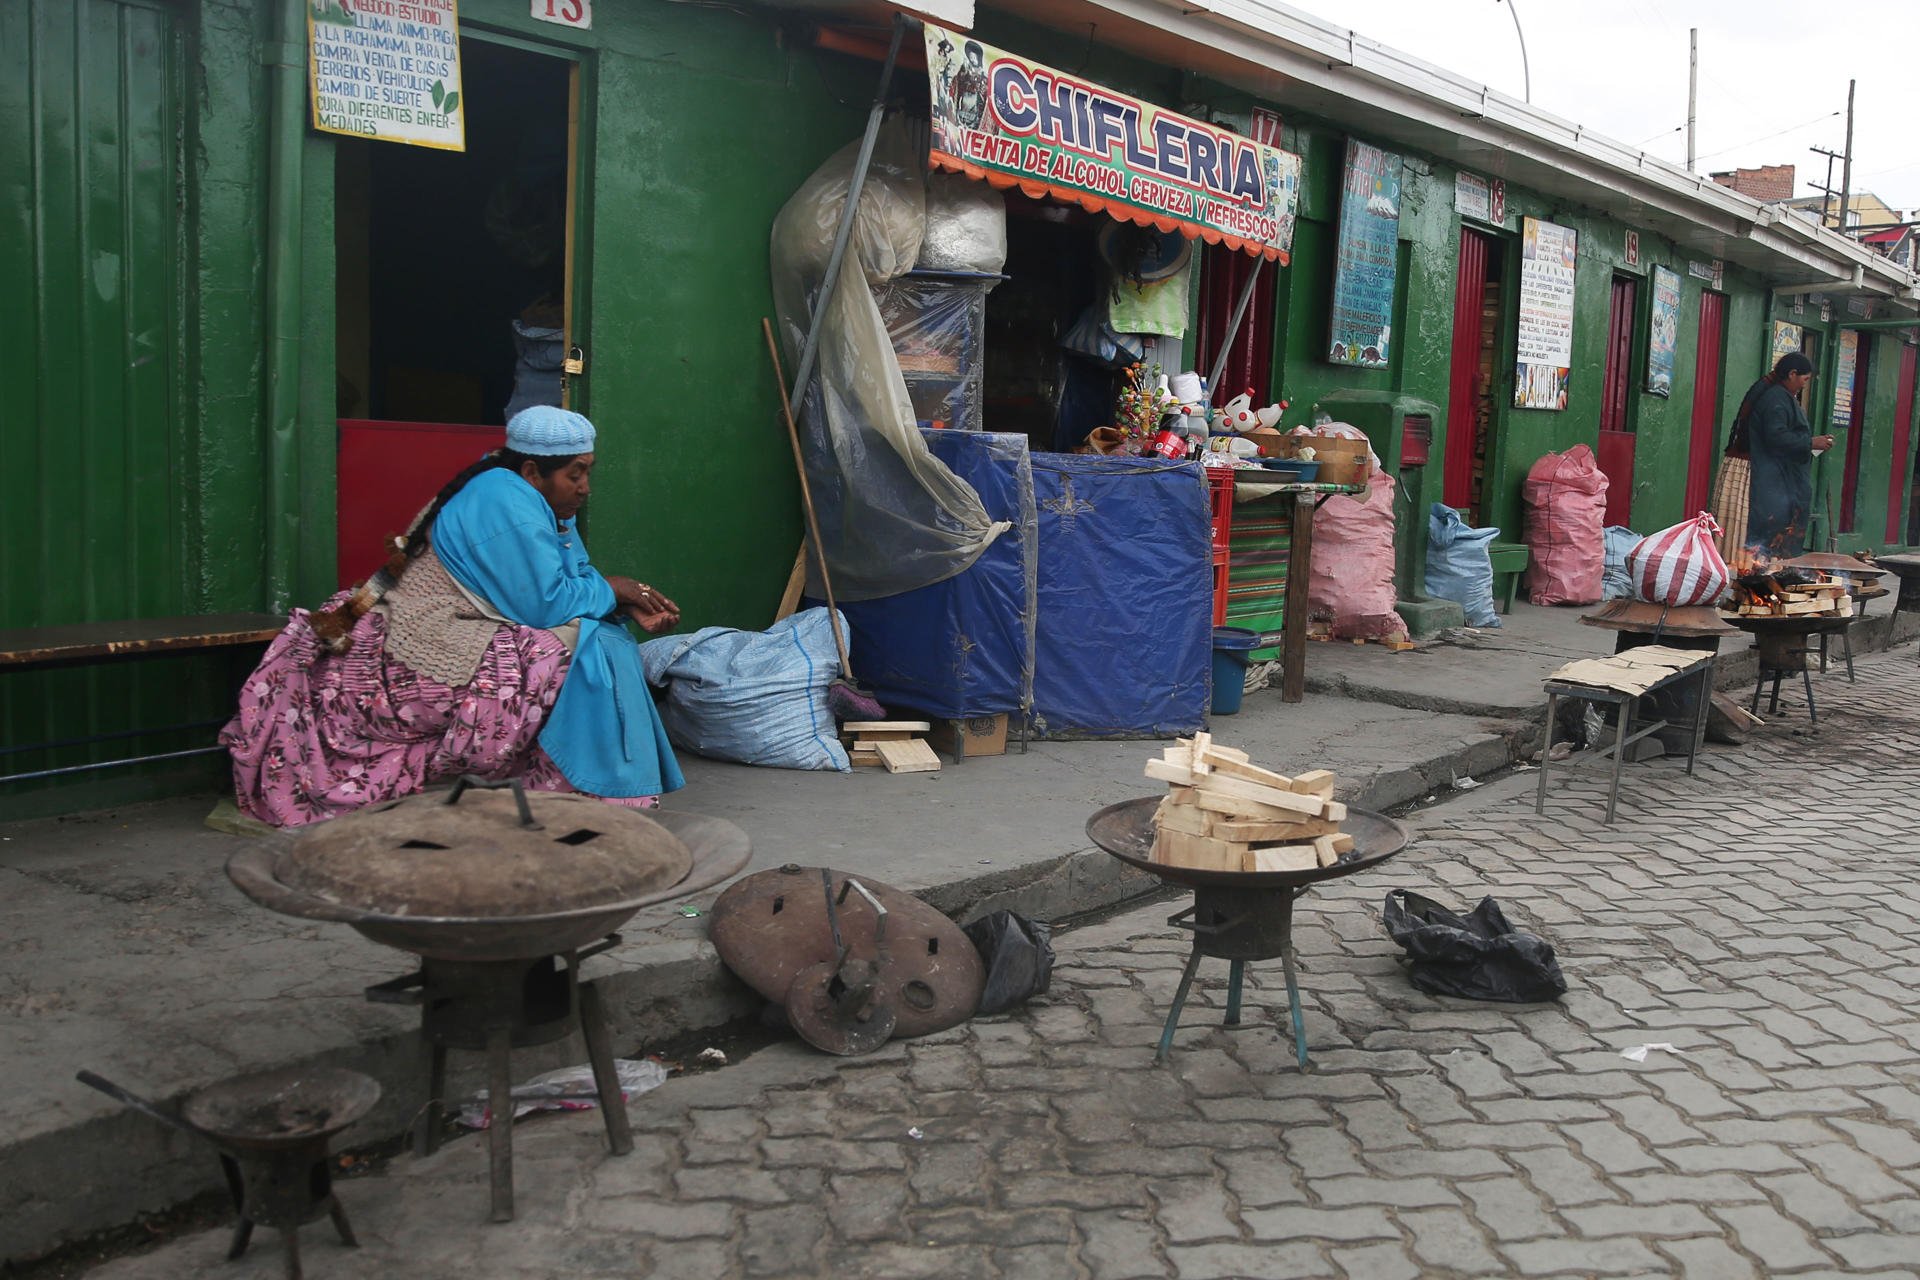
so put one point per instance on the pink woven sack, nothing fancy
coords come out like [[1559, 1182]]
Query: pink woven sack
[[1565, 499], [1679, 566], [1351, 577]]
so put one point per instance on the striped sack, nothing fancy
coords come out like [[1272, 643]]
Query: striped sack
[[1679, 566]]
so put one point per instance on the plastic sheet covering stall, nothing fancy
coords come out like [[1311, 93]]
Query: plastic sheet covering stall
[[892, 516], [1124, 646], [962, 646]]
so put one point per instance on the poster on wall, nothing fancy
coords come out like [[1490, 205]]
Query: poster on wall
[[1367, 258], [1665, 335], [1010, 122], [1846, 368], [387, 71], [1547, 264], [1786, 341], [1473, 197]]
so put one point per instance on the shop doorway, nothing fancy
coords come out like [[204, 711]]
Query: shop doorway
[[1856, 428], [1471, 406], [1708, 349], [1616, 422], [453, 290], [1902, 442], [1249, 366]]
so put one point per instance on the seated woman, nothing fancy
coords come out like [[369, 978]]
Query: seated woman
[[499, 651]]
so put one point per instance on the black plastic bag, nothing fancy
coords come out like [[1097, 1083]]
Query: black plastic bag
[[1019, 958], [1479, 956]]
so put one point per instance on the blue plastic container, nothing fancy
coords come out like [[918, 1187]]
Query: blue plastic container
[[1232, 652], [1293, 469]]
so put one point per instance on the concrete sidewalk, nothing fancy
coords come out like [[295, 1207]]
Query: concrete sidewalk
[[129, 953]]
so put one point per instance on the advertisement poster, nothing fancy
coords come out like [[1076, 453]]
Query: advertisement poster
[[1547, 264], [387, 70], [1666, 331], [1786, 341], [1472, 197], [1845, 369], [1012, 122], [1367, 258]]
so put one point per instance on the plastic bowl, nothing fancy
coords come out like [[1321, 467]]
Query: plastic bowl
[[1294, 469]]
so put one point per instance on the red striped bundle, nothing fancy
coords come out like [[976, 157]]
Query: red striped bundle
[[1679, 566]]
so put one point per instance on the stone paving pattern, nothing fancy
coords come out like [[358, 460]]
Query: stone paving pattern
[[1776, 953]]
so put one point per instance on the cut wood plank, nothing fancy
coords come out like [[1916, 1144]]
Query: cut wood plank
[[1315, 782], [1342, 842], [1286, 832], [1252, 811], [1186, 819], [1284, 857], [883, 735], [1179, 795], [1197, 755], [1258, 793], [796, 585], [912, 756], [1216, 750], [886, 726], [1334, 812], [1167, 771], [1326, 848], [1176, 848], [1794, 608], [1251, 772]]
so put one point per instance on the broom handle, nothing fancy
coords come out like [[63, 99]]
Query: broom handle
[[806, 497]]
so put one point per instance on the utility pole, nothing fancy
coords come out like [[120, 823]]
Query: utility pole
[[1828, 191], [1846, 165], [1693, 87]]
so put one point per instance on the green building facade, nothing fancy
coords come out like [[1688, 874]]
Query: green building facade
[[178, 239]]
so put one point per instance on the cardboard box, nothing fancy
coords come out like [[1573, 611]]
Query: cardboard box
[[973, 736], [1342, 461]]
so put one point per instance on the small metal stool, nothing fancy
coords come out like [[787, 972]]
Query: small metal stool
[[1625, 702]]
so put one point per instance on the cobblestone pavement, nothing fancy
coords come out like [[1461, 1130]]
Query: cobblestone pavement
[[1773, 947]]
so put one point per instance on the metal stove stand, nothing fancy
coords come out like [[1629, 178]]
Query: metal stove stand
[[495, 1007], [1238, 925]]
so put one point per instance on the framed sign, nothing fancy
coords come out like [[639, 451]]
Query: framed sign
[[1786, 341], [1548, 258], [1632, 249], [566, 13], [1845, 369], [1367, 257], [387, 72], [1665, 332]]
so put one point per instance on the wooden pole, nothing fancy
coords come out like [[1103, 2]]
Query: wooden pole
[[1293, 640]]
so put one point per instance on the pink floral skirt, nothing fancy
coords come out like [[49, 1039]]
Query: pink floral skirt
[[318, 735]]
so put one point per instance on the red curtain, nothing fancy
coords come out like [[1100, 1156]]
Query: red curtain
[[1223, 273]]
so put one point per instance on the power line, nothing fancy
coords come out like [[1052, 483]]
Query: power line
[[1770, 137], [1663, 133]]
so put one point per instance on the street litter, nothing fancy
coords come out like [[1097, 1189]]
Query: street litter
[[916, 1133], [1639, 1052], [1465, 784], [711, 1057], [567, 1089], [1478, 956], [690, 912]]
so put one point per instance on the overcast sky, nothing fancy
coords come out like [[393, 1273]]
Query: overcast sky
[[1773, 75]]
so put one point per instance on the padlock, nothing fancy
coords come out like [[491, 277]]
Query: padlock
[[576, 362]]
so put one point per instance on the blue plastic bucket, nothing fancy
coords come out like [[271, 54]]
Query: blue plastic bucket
[[1232, 651]]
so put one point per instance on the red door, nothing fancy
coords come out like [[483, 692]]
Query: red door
[[1856, 430], [1249, 364], [1902, 439], [1706, 399], [1463, 395], [1616, 435]]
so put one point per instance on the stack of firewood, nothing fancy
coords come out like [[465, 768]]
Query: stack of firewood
[[1224, 813], [1763, 597]]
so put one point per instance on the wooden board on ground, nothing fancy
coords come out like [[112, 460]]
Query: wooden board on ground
[[912, 756], [885, 726]]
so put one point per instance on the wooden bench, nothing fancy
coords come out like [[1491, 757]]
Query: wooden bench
[[1621, 681], [88, 643]]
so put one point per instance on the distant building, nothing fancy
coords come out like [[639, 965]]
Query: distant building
[[1767, 184], [1865, 210]]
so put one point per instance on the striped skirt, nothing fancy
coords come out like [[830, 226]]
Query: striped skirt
[[1730, 505]]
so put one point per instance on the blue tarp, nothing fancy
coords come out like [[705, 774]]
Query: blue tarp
[[962, 647], [1124, 645]]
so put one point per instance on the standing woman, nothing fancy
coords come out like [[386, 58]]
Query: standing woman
[[1781, 446], [499, 651]]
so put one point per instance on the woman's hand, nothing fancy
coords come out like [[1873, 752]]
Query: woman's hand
[[1822, 443], [653, 611]]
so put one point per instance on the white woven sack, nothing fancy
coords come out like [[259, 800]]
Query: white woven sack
[[1679, 566]]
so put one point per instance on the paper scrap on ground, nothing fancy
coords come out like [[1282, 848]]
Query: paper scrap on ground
[[1639, 1052], [568, 1089]]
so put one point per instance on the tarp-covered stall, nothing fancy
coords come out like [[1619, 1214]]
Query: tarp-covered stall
[[1124, 642]]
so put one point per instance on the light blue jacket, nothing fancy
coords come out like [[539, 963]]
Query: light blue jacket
[[499, 538]]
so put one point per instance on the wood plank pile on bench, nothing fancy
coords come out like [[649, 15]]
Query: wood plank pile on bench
[[896, 745], [1224, 813]]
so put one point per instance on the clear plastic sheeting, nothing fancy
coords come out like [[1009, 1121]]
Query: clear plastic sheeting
[[937, 324], [892, 516]]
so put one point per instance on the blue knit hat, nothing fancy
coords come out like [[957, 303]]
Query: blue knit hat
[[543, 431]]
